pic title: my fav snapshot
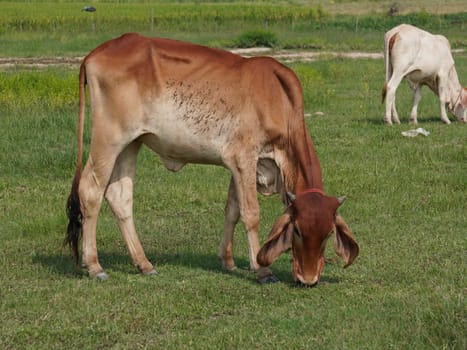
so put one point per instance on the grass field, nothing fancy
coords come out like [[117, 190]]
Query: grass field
[[62, 29], [406, 203]]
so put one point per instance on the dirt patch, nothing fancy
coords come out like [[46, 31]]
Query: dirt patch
[[283, 56], [38, 62], [286, 56], [305, 56]]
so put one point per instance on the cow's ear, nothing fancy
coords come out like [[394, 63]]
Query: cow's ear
[[279, 240], [464, 98], [344, 243]]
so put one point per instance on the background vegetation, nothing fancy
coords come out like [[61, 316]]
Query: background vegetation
[[406, 205], [62, 28]]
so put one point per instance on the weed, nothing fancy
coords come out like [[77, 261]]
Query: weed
[[256, 38]]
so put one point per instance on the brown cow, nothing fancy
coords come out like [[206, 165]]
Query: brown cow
[[193, 104]]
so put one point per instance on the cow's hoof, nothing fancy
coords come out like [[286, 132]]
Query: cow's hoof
[[268, 279], [150, 273], [229, 267], [101, 276], [147, 269], [228, 264]]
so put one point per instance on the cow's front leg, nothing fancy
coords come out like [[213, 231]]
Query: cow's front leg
[[250, 218], [417, 95], [443, 100], [245, 184], [119, 195], [232, 214], [444, 116]]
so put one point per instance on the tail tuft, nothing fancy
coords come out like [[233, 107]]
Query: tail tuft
[[75, 218], [383, 92]]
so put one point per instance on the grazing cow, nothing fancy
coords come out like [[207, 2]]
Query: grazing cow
[[423, 59], [193, 104]]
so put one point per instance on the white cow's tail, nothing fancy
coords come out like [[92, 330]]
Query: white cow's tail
[[389, 39], [73, 208]]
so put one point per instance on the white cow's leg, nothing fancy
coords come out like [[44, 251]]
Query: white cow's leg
[[417, 95], [442, 102], [391, 112], [119, 195], [388, 113], [232, 214], [444, 116], [395, 115]]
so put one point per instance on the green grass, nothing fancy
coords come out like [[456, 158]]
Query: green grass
[[405, 204]]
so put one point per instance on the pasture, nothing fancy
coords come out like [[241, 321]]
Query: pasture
[[406, 204]]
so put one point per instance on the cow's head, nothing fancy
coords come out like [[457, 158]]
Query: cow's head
[[460, 108], [307, 223]]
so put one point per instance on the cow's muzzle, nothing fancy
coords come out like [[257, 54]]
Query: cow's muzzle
[[308, 281], [300, 284]]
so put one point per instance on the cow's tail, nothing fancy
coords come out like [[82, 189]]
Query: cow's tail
[[73, 206], [389, 39], [384, 91]]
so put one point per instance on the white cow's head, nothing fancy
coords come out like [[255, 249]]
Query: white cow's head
[[460, 108]]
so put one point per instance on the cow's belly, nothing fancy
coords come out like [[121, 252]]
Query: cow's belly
[[423, 68], [178, 141], [176, 153], [418, 76]]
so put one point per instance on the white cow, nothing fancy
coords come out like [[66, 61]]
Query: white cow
[[423, 59]]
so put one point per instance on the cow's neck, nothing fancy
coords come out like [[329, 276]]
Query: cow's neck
[[308, 169], [454, 88]]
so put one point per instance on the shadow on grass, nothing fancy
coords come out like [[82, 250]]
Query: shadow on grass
[[405, 121], [62, 264]]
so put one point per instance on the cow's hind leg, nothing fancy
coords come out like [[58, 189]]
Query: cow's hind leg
[[391, 112], [232, 214], [395, 115], [94, 180], [119, 195]]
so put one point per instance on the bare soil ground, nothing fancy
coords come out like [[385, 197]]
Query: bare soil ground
[[283, 55]]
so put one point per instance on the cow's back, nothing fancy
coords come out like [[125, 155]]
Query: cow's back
[[414, 49], [152, 60]]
